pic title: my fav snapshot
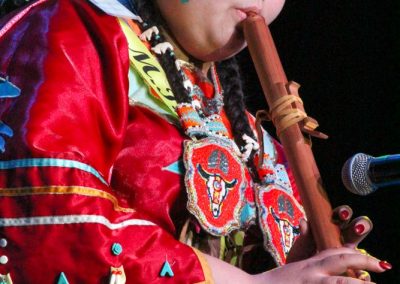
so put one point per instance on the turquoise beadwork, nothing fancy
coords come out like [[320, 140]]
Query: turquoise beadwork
[[62, 279], [116, 249], [166, 270]]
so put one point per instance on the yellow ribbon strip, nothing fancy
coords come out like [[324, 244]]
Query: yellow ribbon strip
[[86, 191], [144, 62]]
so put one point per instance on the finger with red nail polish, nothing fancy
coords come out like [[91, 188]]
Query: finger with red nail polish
[[344, 214], [385, 265], [356, 231], [359, 229]]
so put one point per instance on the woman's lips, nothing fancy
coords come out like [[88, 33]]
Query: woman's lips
[[243, 12]]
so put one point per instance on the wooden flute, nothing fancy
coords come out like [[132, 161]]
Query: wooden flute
[[293, 129]]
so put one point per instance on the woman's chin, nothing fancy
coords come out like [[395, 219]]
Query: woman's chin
[[232, 47]]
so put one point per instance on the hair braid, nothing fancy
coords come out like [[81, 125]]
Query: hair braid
[[234, 105], [228, 71], [146, 10]]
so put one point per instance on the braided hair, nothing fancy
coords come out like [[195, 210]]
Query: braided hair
[[228, 71], [146, 10], [234, 106]]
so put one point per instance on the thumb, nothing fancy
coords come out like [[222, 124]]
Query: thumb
[[304, 228]]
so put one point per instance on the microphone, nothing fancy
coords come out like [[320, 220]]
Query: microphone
[[363, 174]]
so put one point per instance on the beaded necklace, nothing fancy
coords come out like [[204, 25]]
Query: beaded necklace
[[201, 118], [220, 192], [217, 188], [216, 176]]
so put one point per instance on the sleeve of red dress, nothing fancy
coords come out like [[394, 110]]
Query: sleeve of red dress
[[61, 136]]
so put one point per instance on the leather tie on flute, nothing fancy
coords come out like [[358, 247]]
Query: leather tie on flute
[[287, 113]]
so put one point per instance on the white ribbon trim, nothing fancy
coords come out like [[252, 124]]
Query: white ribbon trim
[[72, 219]]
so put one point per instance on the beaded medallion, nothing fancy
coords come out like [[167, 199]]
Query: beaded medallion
[[215, 183], [279, 217]]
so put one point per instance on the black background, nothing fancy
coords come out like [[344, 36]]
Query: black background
[[346, 56]]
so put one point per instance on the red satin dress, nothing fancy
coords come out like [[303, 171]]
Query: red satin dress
[[86, 181], [70, 124]]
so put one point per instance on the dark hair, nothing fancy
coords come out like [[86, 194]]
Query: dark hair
[[229, 74], [146, 10], [7, 6], [228, 71]]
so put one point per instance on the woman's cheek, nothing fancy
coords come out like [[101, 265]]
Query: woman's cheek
[[271, 9]]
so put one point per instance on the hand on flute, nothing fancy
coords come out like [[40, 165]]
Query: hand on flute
[[353, 231], [326, 267], [306, 265]]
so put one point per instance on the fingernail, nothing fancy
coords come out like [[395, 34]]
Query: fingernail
[[362, 251], [359, 229], [344, 214], [363, 275], [385, 265]]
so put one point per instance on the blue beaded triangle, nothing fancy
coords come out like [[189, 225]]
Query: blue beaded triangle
[[166, 270], [8, 89], [62, 279]]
